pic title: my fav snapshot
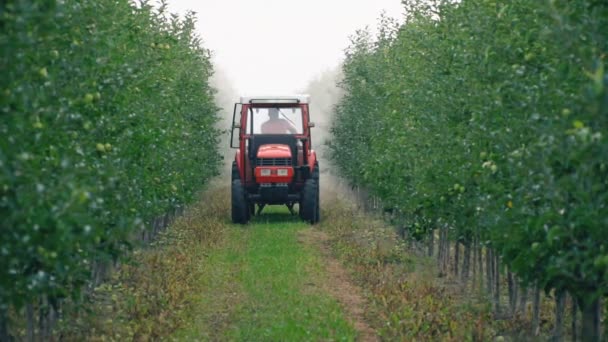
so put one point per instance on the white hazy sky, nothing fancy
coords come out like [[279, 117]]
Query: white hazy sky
[[278, 46]]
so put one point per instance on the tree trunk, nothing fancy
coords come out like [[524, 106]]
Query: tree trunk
[[591, 321], [99, 271], [466, 263], [480, 263], [497, 284], [536, 311], [574, 313], [169, 217], [30, 324], [489, 271], [512, 292], [441, 247], [523, 299], [560, 303], [4, 325], [456, 257], [474, 268], [43, 327], [441, 252], [431, 241], [446, 250]]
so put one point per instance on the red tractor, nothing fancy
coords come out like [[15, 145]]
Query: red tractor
[[275, 162]]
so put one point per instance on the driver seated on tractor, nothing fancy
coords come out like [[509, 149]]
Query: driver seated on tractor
[[276, 125]]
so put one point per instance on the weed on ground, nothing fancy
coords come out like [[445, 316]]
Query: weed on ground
[[152, 294], [407, 301]]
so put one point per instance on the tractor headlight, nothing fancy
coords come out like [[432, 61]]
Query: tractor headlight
[[282, 172], [265, 172]]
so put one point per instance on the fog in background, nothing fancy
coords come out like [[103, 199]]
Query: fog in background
[[325, 94], [225, 97], [279, 46]]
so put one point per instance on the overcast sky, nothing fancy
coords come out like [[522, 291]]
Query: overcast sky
[[278, 46]]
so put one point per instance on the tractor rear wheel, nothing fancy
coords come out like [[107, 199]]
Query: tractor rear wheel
[[235, 172], [309, 205], [315, 176], [240, 207]]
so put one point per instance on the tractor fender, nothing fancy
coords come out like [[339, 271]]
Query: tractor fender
[[312, 160]]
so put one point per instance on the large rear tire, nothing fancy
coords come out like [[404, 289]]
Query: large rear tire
[[315, 176], [309, 205], [240, 207]]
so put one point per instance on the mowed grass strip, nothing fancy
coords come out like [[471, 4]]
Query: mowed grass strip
[[265, 285]]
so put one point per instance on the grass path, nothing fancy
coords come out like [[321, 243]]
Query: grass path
[[265, 283], [277, 279]]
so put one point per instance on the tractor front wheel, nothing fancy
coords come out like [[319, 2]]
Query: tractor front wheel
[[309, 205], [240, 207]]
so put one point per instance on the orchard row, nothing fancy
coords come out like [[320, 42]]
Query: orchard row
[[490, 119], [107, 122]]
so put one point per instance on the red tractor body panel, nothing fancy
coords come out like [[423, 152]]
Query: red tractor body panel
[[274, 151]]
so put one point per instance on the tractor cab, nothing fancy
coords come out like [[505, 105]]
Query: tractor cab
[[274, 163]]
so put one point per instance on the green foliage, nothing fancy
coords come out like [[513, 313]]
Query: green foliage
[[107, 121], [490, 117]]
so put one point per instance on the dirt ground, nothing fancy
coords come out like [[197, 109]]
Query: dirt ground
[[339, 284]]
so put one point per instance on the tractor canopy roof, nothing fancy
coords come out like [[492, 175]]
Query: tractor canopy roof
[[274, 99]]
